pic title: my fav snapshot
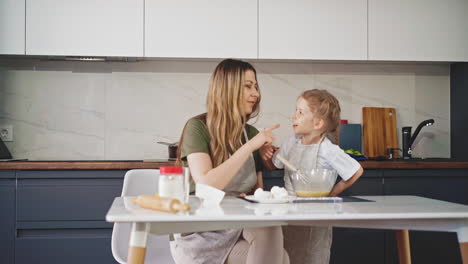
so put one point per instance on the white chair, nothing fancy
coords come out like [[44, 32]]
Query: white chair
[[138, 182]]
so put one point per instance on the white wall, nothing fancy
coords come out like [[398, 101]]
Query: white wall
[[119, 110]]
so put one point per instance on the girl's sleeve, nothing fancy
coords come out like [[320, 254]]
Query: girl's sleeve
[[342, 162], [283, 151]]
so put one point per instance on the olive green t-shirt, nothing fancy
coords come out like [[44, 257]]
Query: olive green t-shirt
[[197, 139]]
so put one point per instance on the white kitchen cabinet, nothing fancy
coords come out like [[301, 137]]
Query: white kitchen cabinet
[[12, 26], [313, 29], [418, 30], [201, 29], [85, 27]]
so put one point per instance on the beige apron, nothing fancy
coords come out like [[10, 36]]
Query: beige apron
[[213, 247], [305, 244]]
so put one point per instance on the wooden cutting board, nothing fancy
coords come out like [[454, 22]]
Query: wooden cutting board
[[379, 131]]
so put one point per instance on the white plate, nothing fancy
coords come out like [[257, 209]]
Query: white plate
[[268, 201]]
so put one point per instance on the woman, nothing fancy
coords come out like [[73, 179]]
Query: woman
[[221, 150]]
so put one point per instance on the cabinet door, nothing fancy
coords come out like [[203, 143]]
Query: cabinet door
[[84, 27], [63, 242], [7, 219], [273, 178], [370, 183], [314, 29], [66, 195], [61, 215], [418, 30], [348, 243], [201, 29], [443, 184], [12, 26], [447, 185]]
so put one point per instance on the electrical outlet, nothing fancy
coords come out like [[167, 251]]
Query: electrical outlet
[[6, 132]]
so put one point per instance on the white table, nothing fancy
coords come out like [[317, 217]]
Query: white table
[[387, 212]]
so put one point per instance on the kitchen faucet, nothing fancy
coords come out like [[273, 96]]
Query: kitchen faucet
[[408, 140]]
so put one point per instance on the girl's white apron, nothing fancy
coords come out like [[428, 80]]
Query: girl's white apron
[[305, 244]]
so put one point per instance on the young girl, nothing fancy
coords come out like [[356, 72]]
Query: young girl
[[317, 118], [221, 150]]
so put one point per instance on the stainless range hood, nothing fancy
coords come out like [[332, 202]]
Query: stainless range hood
[[93, 59], [76, 58]]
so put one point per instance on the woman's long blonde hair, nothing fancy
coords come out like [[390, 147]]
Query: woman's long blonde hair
[[324, 105], [225, 117]]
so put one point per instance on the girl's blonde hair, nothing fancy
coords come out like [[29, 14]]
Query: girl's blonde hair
[[225, 117], [325, 106]]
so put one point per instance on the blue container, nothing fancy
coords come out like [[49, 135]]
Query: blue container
[[351, 136]]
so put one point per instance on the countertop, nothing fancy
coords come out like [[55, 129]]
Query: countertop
[[155, 164], [84, 164], [415, 164]]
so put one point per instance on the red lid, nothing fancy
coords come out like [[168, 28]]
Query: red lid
[[344, 121], [170, 170]]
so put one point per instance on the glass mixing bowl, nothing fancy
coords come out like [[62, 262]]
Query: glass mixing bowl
[[313, 183]]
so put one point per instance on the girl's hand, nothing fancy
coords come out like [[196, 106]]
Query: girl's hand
[[267, 151], [343, 185], [264, 137], [337, 189]]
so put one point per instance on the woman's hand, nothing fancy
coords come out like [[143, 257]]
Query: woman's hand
[[267, 151], [264, 137]]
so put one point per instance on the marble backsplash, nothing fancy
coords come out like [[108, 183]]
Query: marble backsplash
[[119, 110]]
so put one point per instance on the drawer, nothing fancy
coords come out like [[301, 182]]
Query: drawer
[[365, 186], [6, 174], [427, 247], [426, 173], [370, 240], [270, 182], [450, 189], [65, 199], [7, 220], [64, 246], [372, 173]]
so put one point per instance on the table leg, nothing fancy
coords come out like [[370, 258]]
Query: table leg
[[403, 244], [464, 252], [462, 234], [137, 245]]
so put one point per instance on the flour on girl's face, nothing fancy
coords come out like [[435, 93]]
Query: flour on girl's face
[[305, 123]]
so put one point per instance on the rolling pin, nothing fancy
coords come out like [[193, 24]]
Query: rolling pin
[[161, 204]]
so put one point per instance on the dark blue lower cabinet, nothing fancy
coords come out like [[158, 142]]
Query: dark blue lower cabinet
[[61, 216], [66, 195], [7, 216], [273, 178], [427, 247], [446, 185], [350, 245], [354, 245], [48, 242]]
